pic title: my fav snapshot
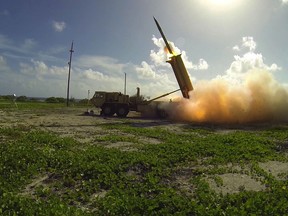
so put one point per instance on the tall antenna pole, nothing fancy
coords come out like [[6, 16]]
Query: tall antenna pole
[[125, 85], [69, 63]]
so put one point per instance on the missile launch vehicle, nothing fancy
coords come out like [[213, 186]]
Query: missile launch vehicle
[[116, 102]]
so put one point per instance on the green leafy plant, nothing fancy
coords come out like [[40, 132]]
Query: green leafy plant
[[42, 173]]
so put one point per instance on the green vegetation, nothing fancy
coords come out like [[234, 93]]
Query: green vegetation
[[22, 102], [55, 100], [44, 174]]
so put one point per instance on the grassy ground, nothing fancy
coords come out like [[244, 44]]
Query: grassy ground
[[167, 170], [12, 105]]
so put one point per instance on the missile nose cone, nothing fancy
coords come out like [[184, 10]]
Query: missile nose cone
[[157, 24], [163, 36]]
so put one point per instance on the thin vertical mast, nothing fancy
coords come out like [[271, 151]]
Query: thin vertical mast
[[125, 84], [69, 63]]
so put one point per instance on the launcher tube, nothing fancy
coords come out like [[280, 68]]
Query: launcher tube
[[181, 74]]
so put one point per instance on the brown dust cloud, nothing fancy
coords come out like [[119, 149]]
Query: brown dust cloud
[[259, 98]]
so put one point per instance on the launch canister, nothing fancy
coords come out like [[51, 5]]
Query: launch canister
[[178, 67]]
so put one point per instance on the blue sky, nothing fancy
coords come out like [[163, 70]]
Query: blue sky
[[216, 38]]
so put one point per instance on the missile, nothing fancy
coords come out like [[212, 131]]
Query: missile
[[178, 66], [163, 36]]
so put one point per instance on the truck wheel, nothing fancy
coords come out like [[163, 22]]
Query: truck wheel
[[108, 111], [161, 113], [122, 111]]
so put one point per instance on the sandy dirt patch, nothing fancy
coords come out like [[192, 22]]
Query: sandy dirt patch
[[234, 183], [278, 169]]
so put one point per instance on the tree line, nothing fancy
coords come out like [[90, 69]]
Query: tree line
[[24, 98]]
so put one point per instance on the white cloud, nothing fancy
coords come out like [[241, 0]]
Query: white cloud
[[284, 1], [236, 48], [94, 75], [41, 71], [202, 65], [59, 26], [29, 44], [27, 49], [18, 50], [101, 63], [249, 42], [4, 68], [94, 80], [274, 67], [37, 77], [145, 71], [250, 60], [160, 56], [242, 65]]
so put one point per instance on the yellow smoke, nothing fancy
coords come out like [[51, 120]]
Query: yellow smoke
[[258, 98]]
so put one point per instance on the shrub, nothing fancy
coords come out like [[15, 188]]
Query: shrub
[[22, 98], [51, 100]]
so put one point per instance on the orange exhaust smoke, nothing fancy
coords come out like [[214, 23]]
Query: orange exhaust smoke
[[169, 55], [259, 98]]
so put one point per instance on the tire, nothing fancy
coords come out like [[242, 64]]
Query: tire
[[108, 110], [122, 111], [161, 113]]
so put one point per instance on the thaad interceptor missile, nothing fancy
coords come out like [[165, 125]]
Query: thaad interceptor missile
[[163, 36], [178, 66]]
